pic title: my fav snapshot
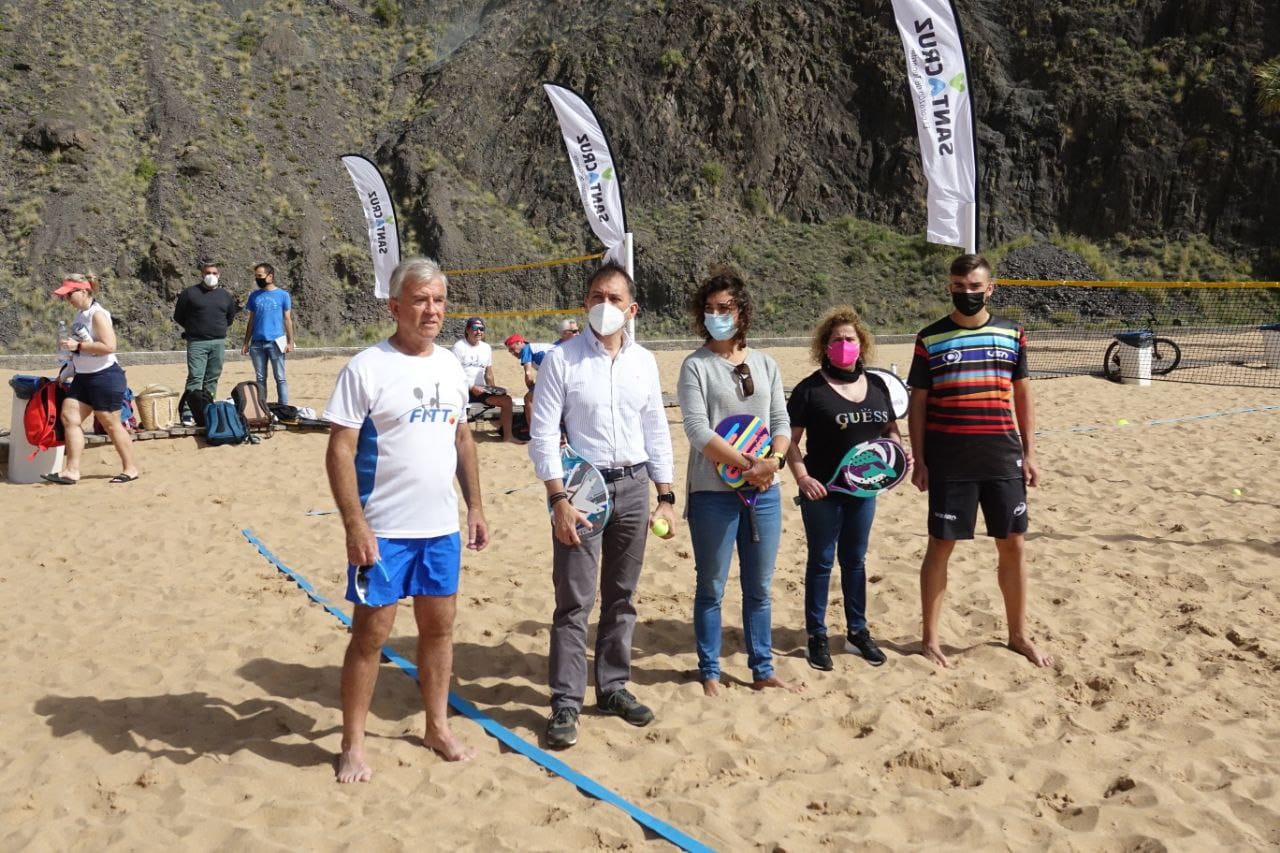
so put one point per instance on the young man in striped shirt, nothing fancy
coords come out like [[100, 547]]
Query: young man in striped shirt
[[973, 443]]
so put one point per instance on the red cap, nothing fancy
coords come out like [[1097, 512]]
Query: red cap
[[68, 285], [515, 339]]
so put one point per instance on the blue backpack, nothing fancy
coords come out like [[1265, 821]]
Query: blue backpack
[[224, 424]]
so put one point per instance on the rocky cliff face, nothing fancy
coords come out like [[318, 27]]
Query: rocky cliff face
[[138, 136]]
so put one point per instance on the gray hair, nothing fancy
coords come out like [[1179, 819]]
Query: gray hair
[[415, 270]]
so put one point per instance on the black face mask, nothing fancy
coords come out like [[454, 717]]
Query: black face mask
[[261, 282], [850, 374], [969, 304]]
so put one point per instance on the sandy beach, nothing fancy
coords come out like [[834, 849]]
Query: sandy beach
[[165, 687]]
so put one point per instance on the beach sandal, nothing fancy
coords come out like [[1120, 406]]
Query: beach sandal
[[58, 479], [123, 478]]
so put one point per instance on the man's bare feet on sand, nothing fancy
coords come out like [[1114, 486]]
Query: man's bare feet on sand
[[775, 681], [352, 767], [711, 687], [448, 747], [935, 655], [1028, 650]]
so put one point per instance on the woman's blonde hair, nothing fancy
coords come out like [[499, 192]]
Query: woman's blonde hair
[[841, 315], [86, 278]]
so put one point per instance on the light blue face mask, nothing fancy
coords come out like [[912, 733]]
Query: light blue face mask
[[722, 327]]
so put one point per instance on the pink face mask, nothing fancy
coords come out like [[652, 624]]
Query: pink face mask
[[843, 354]]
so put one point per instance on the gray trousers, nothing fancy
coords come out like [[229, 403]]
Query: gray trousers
[[619, 553]]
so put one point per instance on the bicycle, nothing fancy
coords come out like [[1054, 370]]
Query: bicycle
[[1166, 355]]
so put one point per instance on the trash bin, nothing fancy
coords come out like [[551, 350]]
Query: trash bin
[[1271, 344], [23, 468], [1135, 357]]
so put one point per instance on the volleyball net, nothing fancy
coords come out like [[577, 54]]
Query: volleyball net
[[1210, 333]]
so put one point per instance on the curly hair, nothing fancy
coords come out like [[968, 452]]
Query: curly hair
[[721, 279], [841, 315]]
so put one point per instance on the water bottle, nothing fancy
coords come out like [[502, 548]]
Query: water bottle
[[893, 368], [63, 355]]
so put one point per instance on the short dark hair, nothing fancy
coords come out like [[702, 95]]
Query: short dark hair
[[266, 266], [609, 268], [207, 262], [966, 264], [722, 278]]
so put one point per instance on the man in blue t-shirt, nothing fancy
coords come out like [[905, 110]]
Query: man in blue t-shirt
[[269, 333], [530, 356]]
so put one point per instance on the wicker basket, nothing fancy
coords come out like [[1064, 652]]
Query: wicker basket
[[157, 407]]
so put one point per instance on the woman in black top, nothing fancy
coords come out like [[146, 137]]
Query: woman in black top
[[839, 405]]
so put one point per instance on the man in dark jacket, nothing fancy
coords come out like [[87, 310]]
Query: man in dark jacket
[[204, 311]]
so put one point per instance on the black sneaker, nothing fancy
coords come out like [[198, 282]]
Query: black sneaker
[[819, 653], [626, 706], [862, 644], [562, 729]]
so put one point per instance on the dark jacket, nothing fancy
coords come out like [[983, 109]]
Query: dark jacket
[[204, 314]]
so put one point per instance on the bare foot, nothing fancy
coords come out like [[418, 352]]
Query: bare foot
[[448, 747], [935, 655], [1028, 650], [711, 687], [775, 681], [352, 767]]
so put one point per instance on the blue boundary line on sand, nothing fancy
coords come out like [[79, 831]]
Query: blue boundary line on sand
[[1248, 410], [503, 734]]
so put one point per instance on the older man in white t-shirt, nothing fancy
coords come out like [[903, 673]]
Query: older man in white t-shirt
[[476, 358], [399, 437]]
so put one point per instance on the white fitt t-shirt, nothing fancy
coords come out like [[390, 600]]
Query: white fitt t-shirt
[[474, 360], [408, 410]]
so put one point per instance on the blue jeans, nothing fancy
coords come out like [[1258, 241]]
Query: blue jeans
[[259, 353], [718, 521], [836, 524]]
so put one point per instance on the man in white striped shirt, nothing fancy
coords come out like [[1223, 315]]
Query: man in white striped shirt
[[605, 389]]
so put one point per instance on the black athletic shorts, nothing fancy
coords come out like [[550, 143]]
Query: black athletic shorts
[[103, 391], [953, 508]]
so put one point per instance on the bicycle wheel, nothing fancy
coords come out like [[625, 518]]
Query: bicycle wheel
[[1111, 362], [1165, 357]]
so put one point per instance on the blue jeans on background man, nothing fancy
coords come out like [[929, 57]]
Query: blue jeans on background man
[[836, 525], [259, 353], [718, 521]]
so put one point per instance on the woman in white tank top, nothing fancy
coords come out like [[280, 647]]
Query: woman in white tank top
[[99, 384]]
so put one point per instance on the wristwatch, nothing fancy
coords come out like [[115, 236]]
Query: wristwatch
[[782, 462], [668, 498]]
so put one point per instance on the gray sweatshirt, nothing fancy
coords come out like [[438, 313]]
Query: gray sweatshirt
[[710, 392]]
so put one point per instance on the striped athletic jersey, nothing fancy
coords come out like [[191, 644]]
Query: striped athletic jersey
[[970, 432]]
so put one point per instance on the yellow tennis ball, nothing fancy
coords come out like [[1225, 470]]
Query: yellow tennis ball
[[1122, 422], [1237, 492], [661, 528]]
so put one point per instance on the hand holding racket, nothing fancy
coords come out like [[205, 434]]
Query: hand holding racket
[[748, 435], [588, 498]]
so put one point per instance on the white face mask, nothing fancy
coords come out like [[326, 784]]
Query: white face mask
[[606, 319], [211, 280]]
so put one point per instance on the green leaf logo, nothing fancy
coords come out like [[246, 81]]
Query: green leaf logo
[[607, 174], [957, 82]]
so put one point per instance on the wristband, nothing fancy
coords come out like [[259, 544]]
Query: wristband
[[556, 498]]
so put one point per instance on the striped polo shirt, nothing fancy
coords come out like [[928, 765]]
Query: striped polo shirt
[[970, 431]]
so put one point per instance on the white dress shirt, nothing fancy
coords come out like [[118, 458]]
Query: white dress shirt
[[611, 408]]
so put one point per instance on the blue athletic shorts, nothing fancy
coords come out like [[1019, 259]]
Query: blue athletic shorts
[[407, 567]]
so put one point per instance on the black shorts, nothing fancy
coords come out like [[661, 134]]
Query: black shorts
[[953, 508], [102, 391]]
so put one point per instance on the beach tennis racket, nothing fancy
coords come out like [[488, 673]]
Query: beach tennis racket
[[899, 393], [747, 434], [588, 491], [361, 581], [870, 468]]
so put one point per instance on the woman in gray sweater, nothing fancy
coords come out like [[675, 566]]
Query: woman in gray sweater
[[722, 378]]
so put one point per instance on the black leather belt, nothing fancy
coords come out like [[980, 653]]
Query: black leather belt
[[611, 474]]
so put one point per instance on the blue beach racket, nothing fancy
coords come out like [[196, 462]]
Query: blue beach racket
[[588, 491]]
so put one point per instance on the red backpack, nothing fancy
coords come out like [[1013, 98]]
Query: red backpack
[[43, 425]]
